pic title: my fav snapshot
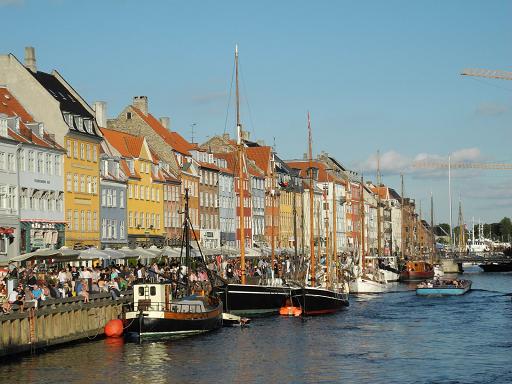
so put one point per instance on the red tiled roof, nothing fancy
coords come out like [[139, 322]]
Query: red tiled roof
[[261, 156], [128, 145], [323, 176], [204, 164], [174, 139], [11, 107]]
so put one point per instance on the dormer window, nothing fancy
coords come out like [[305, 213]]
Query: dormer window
[[40, 130], [131, 165], [128, 115], [80, 123], [88, 125], [69, 119]]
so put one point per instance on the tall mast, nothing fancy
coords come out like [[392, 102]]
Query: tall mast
[[334, 228], [327, 256], [450, 198], [402, 235], [379, 238], [311, 208], [241, 162], [272, 205], [186, 230], [433, 251], [361, 215]]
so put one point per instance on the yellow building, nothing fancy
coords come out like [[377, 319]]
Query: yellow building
[[145, 202], [81, 191]]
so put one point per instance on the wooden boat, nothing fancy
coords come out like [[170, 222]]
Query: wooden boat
[[156, 312], [497, 266], [417, 270], [172, 308], [319, 300], [443, 287]]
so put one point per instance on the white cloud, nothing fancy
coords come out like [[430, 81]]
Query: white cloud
[[393, 162]]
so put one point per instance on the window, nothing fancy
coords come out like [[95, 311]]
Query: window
[[82, 183], [109, 197], [89, 222], [49, 164], [58, 168], [75, 149], [121, 229], [128, 115], [82, 151], [40, 163], [104, 228], [114, 198], [94, 153], [141, 219], [95, 185], [121, 199], [68, 148], [136, 191], [130, 219], [22, 160], [158, 220], [75, 182], [68, 182], [153, 194], [104, 198], [88, 152], [158, 195], [11, 163], [82, 220], [130, 191], [89, 185], [147, 193], [95, 220], [76, 221], [30, 161], [69, 218], [148, 220]]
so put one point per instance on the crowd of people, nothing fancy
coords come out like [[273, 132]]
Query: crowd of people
[[33, 285]]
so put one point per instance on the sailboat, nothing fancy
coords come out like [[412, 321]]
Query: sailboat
[[329, 296], [242, 298], [174, 307], [365, 280]]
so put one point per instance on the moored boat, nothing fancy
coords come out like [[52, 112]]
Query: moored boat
[[443, 287], [156, 312], [319, 301], [417, 270], [497, 266]]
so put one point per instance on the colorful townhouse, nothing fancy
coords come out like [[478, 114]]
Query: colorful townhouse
[[144, 188], [52, 101], [39, 162]]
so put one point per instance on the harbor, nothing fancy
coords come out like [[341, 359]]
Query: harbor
[[381, 339], [255, 192]]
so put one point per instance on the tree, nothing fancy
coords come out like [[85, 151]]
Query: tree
[[445, 229], [505, 227]]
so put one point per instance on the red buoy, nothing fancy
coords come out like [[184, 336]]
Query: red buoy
[[114, 328]]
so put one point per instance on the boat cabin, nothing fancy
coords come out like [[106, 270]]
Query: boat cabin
[[418, 266], [152, 297]]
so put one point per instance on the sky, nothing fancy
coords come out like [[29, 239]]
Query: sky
[[375, 76]]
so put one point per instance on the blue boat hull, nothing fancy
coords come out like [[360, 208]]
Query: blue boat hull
[[445, 291]]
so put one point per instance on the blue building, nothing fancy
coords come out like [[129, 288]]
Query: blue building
[[113, 213]]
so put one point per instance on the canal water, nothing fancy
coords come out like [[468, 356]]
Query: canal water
[[390, 338]]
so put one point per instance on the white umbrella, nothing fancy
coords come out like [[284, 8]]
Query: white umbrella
[[114, 254], [129, 252], [43, 253], [92, 254]]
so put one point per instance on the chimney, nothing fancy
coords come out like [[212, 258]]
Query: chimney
[[166, 122], [100, 109], [30, 59], [141, 102]]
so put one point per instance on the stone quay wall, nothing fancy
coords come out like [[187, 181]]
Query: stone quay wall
[[57, 321]]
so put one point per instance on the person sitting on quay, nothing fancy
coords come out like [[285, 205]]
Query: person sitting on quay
[[15, 298], [84, 290]]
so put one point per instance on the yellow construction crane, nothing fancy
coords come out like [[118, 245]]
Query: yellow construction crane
[[488, 73]]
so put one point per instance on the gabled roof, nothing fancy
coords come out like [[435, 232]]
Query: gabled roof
[[128, 145], [174, 139], [11, 107], [261, 156], [68, 102], [323, 175]]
